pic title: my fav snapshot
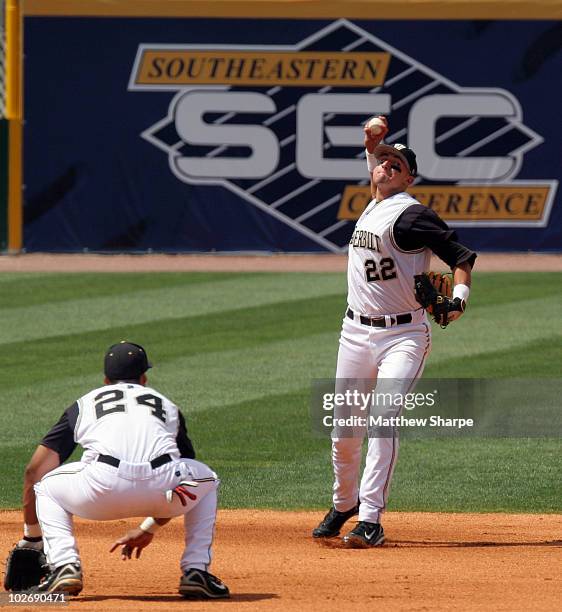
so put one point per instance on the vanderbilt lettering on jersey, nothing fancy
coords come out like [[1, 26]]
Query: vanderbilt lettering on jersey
[[365, 240], [383, 284]]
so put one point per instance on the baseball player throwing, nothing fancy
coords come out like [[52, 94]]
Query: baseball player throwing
[[137, 461], [385, 333]]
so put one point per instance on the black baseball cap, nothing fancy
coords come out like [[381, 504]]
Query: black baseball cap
[[403, 152], [125, 361]]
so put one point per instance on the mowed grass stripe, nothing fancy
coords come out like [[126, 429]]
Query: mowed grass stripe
[[25, 289], [476, 475], [147, 306], [219, 381], [13, 278], [491, 328], [28, 289], [204, 381], [269, 457], [223, 379], [216, 349], [22, 366], [80, 354], [248, 326], [14, 459], [536, 359], [500, 288]]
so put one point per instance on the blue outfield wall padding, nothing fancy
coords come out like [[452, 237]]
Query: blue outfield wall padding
[[213, 134]]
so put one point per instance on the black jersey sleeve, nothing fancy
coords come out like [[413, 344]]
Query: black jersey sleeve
[[419, 227], [60, 437], [182, 439]]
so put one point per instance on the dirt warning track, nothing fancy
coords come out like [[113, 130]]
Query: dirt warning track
[[43, 262]]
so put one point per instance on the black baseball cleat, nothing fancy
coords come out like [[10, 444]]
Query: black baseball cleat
[[197, 584], [66, 578], [365, 535], [333, 522]]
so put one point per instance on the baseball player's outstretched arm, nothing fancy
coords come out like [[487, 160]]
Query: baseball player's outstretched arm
[[371, 141], [42, 461]]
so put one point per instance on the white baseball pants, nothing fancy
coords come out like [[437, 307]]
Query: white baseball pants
[[102, 492], [367, 354]]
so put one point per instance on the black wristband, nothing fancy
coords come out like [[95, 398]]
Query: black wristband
[[30, 539]]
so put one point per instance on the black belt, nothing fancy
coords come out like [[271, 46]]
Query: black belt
[[157, 462], [381, 321]]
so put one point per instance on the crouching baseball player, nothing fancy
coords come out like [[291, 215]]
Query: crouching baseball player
[[137, 461]]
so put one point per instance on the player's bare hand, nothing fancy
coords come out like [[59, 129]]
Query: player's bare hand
[[372, 139], [134, 539]]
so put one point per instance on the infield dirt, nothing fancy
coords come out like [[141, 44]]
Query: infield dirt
[[270, 562]]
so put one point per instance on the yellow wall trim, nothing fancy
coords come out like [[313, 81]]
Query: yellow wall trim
[[303, 9], [15, 213]]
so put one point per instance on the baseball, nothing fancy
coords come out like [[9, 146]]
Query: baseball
[[376, 126]]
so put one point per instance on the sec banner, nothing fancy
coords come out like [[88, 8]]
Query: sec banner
[[217, 135]]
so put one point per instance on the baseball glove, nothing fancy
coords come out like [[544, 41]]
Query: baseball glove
[[443, 284], [25, 567], [434, 292]]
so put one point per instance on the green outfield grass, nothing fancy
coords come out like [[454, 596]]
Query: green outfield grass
[[238, 353]]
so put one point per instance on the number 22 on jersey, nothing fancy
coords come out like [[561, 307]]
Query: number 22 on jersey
[[384, 270]]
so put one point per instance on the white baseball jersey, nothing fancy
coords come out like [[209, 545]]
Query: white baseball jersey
[[149, 419], [133, 424], [380, 275]]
